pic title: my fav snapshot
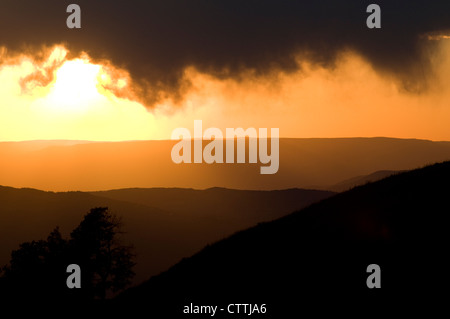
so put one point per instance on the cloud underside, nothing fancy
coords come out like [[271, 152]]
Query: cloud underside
[[157, 41]]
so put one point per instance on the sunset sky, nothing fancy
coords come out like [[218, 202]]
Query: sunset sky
[[137, 72]]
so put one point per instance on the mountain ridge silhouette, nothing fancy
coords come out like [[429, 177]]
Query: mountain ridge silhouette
[[164, 225], [322, 253]]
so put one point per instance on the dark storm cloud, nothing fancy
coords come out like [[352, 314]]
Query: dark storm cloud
[[156, 40]]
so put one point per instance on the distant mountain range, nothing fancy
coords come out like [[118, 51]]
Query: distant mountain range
[[316, 259], [304, 163], [320, 252], [164, 225]]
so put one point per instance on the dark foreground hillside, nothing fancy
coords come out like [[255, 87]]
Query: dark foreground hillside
[[316, 259]]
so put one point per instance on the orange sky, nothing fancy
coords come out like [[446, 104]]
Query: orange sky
[[348, 101]]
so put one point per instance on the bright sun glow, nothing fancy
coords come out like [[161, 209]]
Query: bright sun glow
[[75, 88], [80, 99], [67, 99]]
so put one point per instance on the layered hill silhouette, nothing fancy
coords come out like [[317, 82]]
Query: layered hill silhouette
[[164, 225], [313, 163], [316, 259], [361, 180]]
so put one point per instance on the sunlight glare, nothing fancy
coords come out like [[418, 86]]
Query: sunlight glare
[[75, 87]]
